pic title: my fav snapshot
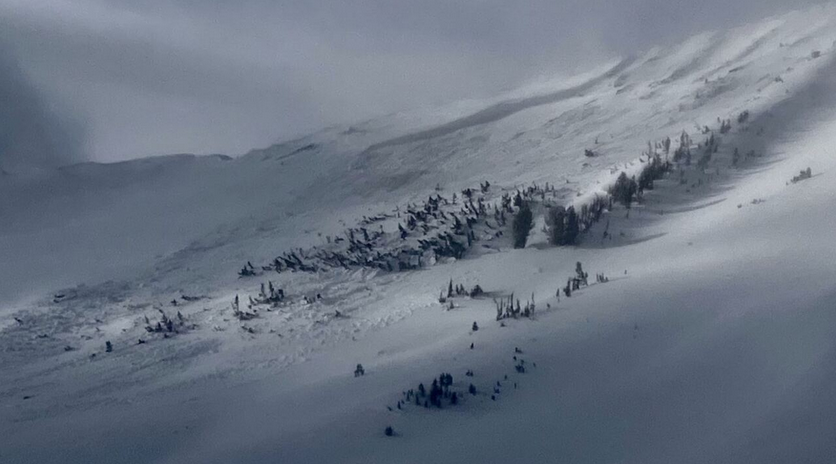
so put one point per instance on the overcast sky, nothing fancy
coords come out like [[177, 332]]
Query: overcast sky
[[118, 79]]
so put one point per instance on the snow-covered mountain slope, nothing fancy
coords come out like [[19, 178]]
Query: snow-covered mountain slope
[[711, 341]]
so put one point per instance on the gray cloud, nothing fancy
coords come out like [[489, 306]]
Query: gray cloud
[[224, 76], [33, 132]]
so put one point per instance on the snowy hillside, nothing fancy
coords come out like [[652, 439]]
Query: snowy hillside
[[709, 339]]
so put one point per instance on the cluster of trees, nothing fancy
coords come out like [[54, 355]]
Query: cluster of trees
[[574, 283], [524, 218], [459, 290], [562, 225], [247, 271], [436, 228], [430, 230], [683, 152], [505, 308], [624, 190], [711, 146], [803, 175], [246, 315], [166, 325], [291, 261], [592, 212], [654, 169], [267, 295], [440, 390], [523, 223]]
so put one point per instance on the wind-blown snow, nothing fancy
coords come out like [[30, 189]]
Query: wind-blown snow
[[712, 341]]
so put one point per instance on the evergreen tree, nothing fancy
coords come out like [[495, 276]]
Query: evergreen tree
[[523, 222], [556, 223], [646, 177], [582, 276], [624, 189], [563, 225], [572, 227]]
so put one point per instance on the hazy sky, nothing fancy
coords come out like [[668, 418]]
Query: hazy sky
[[111, 80]]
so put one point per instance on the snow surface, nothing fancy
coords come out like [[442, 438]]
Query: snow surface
[[712, 341]]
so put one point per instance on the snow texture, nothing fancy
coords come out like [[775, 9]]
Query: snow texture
[[712, 340]]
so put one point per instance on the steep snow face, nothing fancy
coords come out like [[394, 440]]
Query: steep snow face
[[711, 342], [108, 221]]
